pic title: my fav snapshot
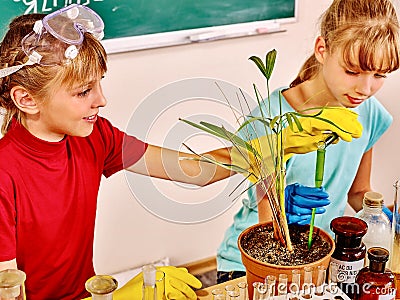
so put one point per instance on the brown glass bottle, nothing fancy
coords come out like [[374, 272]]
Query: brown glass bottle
[[349, 254], [376, 282]]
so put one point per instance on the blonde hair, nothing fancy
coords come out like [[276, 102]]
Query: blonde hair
[[365, 31], [42, 81]]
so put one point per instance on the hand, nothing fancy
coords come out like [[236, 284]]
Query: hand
[[259, 167], [178, 285], [388, 213], [314, 130], [300, 199], [295, 142]]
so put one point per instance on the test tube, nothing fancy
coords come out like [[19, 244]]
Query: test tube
[[295, 284], [332, 277], [320, 288], [260, 291], [230, 289], [307, 284], [256, 295], [234, 295], [218, 294], [270, 281], [242, 286], [282, 284]]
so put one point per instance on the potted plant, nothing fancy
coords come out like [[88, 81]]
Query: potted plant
[[262, 161]]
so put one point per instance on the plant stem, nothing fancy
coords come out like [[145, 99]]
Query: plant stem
[[319, 176]]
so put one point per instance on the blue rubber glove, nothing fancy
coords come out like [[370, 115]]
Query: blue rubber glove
[[300, 199], [388, 213]]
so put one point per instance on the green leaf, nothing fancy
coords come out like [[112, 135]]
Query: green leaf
[[252, 119], [270, 63], [202, 128], [274, 122], [226, 134], [246, 190], [259, 63], [292, 118]]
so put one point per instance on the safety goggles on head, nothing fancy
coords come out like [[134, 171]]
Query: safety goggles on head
[[56, 39]]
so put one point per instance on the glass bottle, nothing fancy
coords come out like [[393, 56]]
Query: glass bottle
[[12, 284], [376, 282], [101, 287], [349, 254], [379, 233], [394, 260]]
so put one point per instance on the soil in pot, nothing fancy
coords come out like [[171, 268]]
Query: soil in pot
[[260, 244], [262, 255]]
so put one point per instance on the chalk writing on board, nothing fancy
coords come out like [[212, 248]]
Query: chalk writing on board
[[46, 6]]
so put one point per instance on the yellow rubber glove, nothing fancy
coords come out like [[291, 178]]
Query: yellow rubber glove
[[246, 160], [179, 284], [297, 142]]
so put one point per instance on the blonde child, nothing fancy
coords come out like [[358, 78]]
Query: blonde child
[[56, 148], [355, 51]]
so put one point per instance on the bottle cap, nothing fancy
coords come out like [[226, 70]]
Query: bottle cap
[[378, 254], [101, 284], [10, 283], [373, 199], [349, 226]]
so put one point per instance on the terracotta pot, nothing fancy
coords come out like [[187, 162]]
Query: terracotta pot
[[256, 270]]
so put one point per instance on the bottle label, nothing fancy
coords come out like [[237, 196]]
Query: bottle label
[[347, 270]]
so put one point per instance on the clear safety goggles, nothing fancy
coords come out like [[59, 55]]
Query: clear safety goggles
[[56, 39]]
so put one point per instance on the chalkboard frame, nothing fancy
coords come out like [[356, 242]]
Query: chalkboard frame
[[181, 37], [129, 41]]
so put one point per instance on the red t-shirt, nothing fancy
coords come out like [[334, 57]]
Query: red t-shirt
[[48, 196]]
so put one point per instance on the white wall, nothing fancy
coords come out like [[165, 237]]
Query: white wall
[[127, 235]]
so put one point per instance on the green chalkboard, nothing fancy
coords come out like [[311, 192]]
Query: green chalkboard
[[129, 18]]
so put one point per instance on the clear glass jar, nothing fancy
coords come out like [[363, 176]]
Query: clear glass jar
[[12, 284], [379, 232], [101, 287]]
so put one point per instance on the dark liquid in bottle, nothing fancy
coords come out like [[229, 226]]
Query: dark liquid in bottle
[[376, 282], [349, 253]]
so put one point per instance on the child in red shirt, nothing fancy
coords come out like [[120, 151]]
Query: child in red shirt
[[56, 148]]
